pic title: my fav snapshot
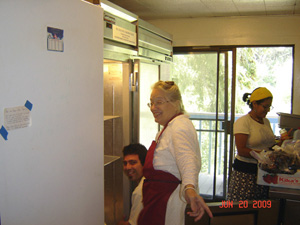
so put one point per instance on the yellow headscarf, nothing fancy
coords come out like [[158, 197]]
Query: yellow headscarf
[[260, 93]]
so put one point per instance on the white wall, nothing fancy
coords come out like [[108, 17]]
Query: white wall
[[262, 30], [52, 172]]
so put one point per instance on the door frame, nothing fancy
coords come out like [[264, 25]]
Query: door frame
[[136, 80], [228, 122]]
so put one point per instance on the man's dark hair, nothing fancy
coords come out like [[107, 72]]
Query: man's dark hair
[[136, 149]]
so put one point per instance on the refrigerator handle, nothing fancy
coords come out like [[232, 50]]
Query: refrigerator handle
[[133, 80]]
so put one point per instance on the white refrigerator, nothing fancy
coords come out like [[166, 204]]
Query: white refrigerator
[[51, 113]]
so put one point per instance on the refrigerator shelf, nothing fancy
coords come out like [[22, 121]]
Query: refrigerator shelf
[[108, 159], [110, 117]]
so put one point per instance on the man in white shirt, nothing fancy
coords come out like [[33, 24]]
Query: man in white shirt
[[133, 161]]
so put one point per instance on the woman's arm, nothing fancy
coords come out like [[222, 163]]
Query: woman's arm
[[240, 142], [187, 154]]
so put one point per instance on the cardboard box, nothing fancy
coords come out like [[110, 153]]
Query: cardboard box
[[278, 180]]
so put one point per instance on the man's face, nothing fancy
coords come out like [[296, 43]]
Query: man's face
[[132, 167]]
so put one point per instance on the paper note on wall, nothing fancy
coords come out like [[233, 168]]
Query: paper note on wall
[[17, 117]]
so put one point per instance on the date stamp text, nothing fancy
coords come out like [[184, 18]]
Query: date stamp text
[[255, 204]]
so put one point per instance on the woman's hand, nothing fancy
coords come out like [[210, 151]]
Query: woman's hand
[[197, 203], [123, 222]]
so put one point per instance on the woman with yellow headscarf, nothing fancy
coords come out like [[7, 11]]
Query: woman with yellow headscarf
[[252, 132]]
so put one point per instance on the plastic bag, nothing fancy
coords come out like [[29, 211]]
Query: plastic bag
[[284, 159], [291, 146]]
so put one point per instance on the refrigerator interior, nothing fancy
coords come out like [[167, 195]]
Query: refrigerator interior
[[116, 135], [126, 95]]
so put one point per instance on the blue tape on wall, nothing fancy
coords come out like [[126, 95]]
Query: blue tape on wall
[[28, 105], [3, 133]]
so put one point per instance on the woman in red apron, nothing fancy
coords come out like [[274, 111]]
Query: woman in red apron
[[172, 164]]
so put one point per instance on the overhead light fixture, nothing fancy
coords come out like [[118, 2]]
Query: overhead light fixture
[[118, 11]]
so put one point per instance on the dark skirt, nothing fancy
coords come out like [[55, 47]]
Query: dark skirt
[[242, 183]]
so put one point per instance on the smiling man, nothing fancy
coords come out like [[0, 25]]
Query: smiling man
[[133, 161]]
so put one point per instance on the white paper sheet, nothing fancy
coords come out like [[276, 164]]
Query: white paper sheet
[[17, 117]]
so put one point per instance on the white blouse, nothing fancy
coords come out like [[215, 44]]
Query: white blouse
[[260, 136], [178, 151]]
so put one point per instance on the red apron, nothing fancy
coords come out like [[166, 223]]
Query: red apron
[[158, 187]]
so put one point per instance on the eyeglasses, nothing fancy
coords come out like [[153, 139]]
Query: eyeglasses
[[156, 103], [267, 107]]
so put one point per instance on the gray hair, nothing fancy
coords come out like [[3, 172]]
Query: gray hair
[[172, 91]]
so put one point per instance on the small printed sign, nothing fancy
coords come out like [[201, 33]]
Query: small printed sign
[[125, 36], [55, 39]]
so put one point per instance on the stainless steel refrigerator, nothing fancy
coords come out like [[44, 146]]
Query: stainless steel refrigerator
[[135, 54], [154, 63]]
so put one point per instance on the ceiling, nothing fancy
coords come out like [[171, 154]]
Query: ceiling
[[168, 9]]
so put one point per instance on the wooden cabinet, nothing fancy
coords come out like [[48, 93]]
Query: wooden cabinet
[[291, 210], [290, 204], [250, 213]]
